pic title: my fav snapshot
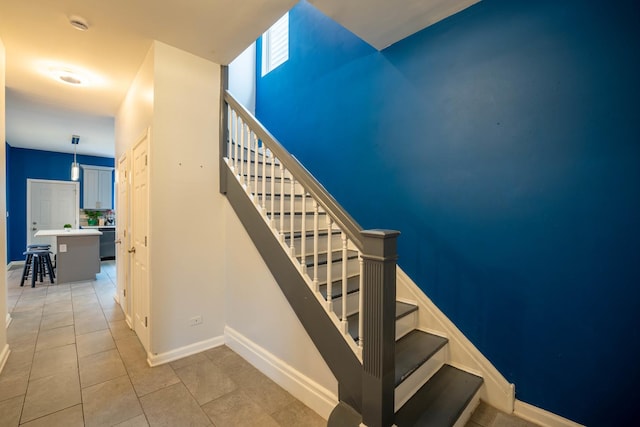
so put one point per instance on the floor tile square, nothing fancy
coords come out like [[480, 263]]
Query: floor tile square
[[55, 360], [10, 411], [50, 394], [94, 342], [147, 380], [55, 338], [205, 381], [173, 406], [297, 414], [236, 409], [110, 402], [70, 417], [100, 367]]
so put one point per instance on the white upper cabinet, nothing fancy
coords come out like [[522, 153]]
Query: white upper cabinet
[[97, 182]]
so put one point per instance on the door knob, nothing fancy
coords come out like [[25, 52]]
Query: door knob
[[34, 228], [132, 250], [118, 241]]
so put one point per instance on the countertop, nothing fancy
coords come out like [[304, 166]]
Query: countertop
[[72, 232], [95, 227]]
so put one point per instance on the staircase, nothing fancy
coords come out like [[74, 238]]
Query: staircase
[[389, 371]]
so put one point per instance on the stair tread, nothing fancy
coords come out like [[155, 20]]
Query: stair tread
[[336, 256], [441, 401], [403, 308], [355, 317], [353, 285], [321, 233], [413, 350]]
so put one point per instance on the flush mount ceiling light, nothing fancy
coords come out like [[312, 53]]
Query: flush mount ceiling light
[[68, 76], [79, 23]]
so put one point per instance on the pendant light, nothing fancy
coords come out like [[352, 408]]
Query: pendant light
[[75, 167]]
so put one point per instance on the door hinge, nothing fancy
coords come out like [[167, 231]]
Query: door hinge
[[145, 241], [146, 322], [146, 158], [124, 293]]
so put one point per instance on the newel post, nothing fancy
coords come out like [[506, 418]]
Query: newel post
[[379, 312], [224, 128]]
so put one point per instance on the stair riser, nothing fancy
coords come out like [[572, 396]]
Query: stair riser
[[298, 206], [336, 242], [263, 170], [297, 223], [353, 300], [287, 186], [353, 267], [419, 377], [466, 414], [406, 324]]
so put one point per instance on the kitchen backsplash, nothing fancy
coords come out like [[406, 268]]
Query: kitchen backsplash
[[90, 217]]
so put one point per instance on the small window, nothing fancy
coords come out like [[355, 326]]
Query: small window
[[275, 45]]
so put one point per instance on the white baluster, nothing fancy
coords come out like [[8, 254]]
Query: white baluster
[[242, 165], [329, 266], [281, 229], [273, 189], [255, 173], [315, 246], [264, 179], [361, 303], [229, 135], [303, 234], [235, 143], [345, 259], [292, 245]]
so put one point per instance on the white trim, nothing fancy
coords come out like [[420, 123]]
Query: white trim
[[496, 390], [9, 319], [4, 356], [187, 350], [305, 389], [15, 263], [100, 168], [541, 416]]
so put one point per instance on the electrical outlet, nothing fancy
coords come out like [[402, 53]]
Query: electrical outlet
[[196, 320]]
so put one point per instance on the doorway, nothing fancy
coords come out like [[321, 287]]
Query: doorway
[[51, 205], [123, 267]]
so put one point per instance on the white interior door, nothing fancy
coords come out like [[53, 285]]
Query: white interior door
[[123, 228], [139, 234], [50, 205]]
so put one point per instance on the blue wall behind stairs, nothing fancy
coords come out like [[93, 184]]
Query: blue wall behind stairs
[[24, 163], [504, 143]]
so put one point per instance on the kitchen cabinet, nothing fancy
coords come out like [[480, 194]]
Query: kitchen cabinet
[[97, 185]]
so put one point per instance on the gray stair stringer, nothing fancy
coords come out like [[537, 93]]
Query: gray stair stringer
[[332, 346]]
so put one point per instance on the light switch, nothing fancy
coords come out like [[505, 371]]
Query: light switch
[[63, 248]]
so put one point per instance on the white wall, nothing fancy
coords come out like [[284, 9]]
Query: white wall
[[136, 112], [187, 217], [257, 309], [242, 78], [4, 347]]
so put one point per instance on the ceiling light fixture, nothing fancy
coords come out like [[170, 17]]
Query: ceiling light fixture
[[75, 167], [79, 23], [69, 77]]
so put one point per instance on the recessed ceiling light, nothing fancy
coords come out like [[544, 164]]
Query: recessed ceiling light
[[78, 23], [69, 77]]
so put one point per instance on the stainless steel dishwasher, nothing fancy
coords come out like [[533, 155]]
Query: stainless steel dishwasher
[[107, 243]]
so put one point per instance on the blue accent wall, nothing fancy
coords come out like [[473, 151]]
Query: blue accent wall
[[504, 143], [24, 163]]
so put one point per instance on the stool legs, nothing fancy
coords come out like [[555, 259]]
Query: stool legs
[[27, 268]]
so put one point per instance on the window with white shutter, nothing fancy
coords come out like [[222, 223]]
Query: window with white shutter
[[275, 45]]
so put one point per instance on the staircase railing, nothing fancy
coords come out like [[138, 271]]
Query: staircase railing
[[299, 211]]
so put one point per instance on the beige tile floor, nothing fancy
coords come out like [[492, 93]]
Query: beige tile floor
[[74, 362]]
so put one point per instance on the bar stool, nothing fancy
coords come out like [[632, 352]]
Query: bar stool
[[38, 262]]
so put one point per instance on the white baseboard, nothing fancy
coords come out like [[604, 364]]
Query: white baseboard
[[541, 416], [496, 390], [9, 319], [15, 263], [188, 350], [309, 392], [4, 356]]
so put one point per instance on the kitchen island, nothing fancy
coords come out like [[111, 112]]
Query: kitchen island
[[78, 254]]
